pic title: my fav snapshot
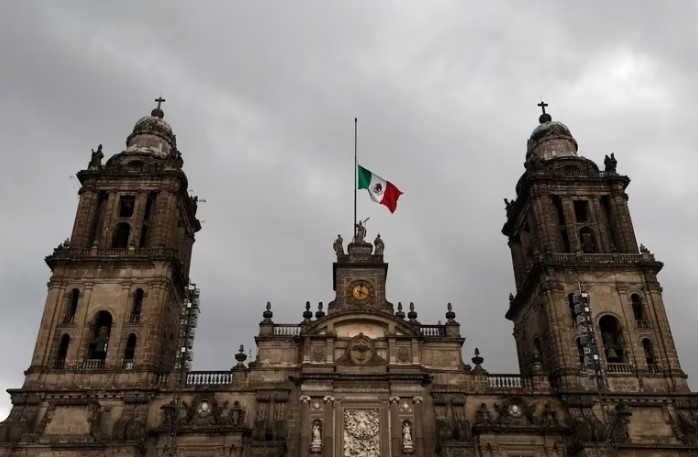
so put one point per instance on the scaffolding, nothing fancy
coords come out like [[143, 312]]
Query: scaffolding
[[185, 355]]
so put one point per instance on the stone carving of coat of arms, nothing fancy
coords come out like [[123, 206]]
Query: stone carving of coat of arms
[[361, 433]]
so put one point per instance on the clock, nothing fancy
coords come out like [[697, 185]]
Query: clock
[[361, 290]]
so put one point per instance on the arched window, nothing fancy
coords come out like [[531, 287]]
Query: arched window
[[62, 352], [586, 240], [122, 232], [638, 310], [130, 350], [99, 333], [649, 353], [137, 306], [72, 306], [612, 339]]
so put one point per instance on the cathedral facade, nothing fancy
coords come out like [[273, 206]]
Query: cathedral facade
[[363, 377]]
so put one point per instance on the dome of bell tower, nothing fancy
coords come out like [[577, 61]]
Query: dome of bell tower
[[152, 134], [550, 139]]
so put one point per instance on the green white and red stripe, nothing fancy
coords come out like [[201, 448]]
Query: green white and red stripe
[[380, 190]]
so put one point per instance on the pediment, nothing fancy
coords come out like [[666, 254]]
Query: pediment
[[350, 324]]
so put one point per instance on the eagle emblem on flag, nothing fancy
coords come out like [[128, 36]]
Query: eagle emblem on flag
[[377, 189]]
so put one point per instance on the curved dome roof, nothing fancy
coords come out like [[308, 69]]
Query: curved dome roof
[[152, 135], [551, 139]]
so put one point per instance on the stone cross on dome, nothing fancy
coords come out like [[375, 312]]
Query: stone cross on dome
[[545, 117], [157, 112]]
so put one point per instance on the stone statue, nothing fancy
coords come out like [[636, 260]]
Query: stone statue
[[360, 232], [316, 444], [96, 158], [610, 163], [337, 245], [406, 435], [380, 246]]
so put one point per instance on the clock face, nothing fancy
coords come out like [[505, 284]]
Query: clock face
[[361, 290]]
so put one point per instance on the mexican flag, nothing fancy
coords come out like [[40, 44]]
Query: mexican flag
[[380, 190]]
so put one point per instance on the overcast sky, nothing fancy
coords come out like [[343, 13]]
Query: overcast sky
[[262, 97]]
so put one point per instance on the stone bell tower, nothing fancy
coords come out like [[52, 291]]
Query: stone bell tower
[[118, 284], [569, 232]]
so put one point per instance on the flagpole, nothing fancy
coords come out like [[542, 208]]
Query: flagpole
[[356, 168]]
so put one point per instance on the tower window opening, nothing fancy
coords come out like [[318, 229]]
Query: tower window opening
[[72, 306], [122, 233], [638, 310], [62, 354], [649, 353], [100, 333], [137, 306], [612, 339], [135, 165], [586, 240], [126, 206], [581, 210], [557, 202], [130, 350]]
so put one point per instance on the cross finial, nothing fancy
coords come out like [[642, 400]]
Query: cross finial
[[542, 105], [545, 117], [157, 111]]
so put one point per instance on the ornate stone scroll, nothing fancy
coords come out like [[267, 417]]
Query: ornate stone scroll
[[361, 433]]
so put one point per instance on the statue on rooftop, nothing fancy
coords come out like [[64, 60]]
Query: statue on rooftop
[[337, 245], [379, 245], [610, 163], [360, 232], [96, 158]]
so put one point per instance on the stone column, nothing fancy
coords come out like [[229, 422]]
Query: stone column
[[328, 427], [603, 242], [395, 433], [418, 427], [305, 426], [571, 225]]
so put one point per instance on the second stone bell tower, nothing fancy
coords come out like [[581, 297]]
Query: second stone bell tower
[[118, 284], [570, 232]]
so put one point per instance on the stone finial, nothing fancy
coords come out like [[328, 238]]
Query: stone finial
[[319, 313], [400, 314], [267, 314], [450, 314], [511, 300], [241, 357], [477, 360], [307, 314], [412, 315]]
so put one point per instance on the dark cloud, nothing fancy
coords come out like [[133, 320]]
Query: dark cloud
[[262, 97]]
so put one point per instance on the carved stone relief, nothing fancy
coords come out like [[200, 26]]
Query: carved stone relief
[[361, 433], [403, 354]]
